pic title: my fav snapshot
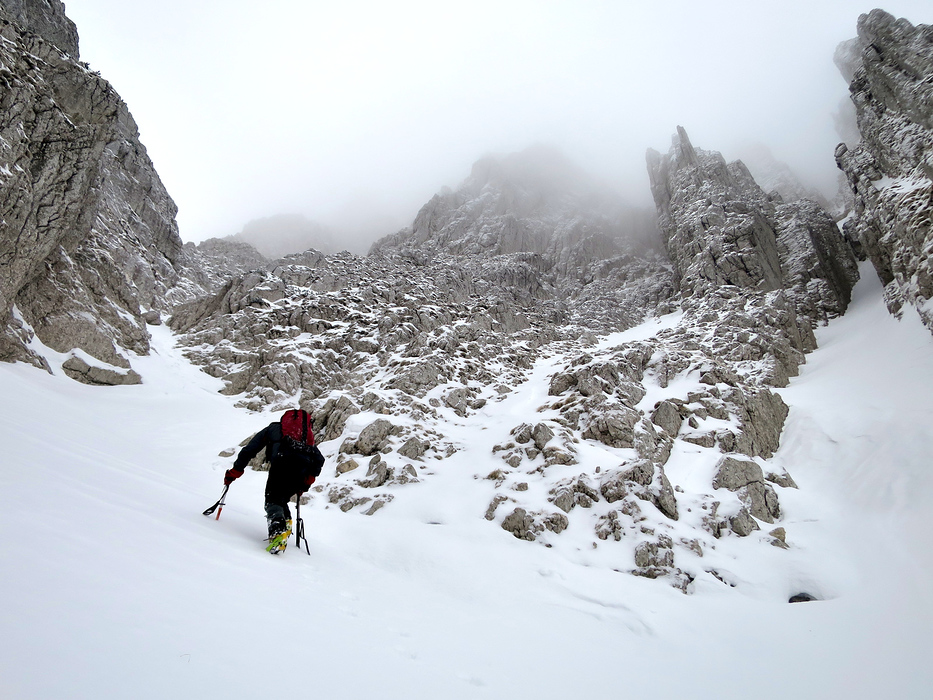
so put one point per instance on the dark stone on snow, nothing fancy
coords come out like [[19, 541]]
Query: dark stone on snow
[[802, 598]]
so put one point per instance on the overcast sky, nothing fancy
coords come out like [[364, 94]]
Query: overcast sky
[[347, 109]]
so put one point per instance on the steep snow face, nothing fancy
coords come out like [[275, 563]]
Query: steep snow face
[[890, 172], [877, 458], [117, 586]]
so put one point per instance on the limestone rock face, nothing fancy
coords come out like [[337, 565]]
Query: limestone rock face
[[890, 171], [720, 229], [714, 235], [535, 201], [47, 19], [209, 265], [88, 240]]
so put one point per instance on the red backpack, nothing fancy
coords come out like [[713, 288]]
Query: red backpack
[[297, 447], [296, 430]]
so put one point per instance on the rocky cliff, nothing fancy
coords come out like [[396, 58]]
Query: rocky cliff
[[45, 18], [721, 229], [88, 240], [890, 171]]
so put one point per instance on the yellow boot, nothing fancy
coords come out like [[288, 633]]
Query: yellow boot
[[278, 542]]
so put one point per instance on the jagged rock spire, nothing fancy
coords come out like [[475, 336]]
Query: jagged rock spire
[[720, 228]]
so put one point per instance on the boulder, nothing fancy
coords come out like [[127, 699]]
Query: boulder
[[747, 480], [644, 480], [413, 448], [374, 437], [733, 474], [78, 369], [667, 417], [743, 524], [654, 554], [541, 434], [520, 524], [615, 428]]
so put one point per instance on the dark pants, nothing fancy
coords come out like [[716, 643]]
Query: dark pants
[[276, 516], [281, 485]]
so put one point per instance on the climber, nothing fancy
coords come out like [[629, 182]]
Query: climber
[[295, 462]]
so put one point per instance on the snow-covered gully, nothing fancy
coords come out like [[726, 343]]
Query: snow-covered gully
[[114, 585]]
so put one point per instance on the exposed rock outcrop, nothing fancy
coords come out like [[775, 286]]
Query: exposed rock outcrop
[[544, 230], [890, 171], [88, 240], [721, 229], [47, 19], [535, 201]]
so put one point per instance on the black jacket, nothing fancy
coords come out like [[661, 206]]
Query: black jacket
[[289, 472]]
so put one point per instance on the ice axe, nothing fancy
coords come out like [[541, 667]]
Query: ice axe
[[219, 506]]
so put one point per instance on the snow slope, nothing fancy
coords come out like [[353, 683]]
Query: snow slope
[[115, 586]]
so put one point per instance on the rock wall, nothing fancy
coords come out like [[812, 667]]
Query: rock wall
[[890, 171], [88, 240], [721, 229], [47, 19]]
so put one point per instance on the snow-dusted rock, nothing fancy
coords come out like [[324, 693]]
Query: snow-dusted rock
[[78, 368], [372, 438], [890, 171], [742, 523], [47, 19], [746, 478], [644, 480], [721, 229], [667, 416], [88, 242], [520, 524]]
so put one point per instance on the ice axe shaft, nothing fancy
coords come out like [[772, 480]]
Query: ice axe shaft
[[300, 526]]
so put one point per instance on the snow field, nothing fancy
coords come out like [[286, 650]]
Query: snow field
[[114, 585]]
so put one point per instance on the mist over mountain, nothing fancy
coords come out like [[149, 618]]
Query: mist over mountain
[[282, 234], [539, 181], [773, 175], [536, 200], [352, 227]]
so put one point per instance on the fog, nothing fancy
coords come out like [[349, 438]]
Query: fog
[[354, 114]]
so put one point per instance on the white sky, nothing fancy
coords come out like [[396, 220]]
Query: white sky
[[357, 109]]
